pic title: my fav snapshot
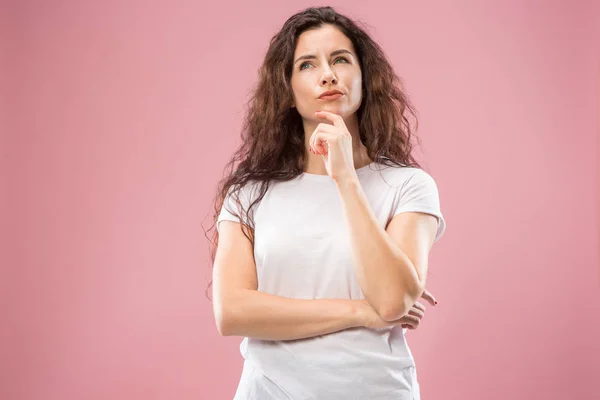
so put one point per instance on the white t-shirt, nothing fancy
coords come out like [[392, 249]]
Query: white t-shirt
[[302, 251]]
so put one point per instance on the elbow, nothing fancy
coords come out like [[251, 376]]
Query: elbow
[[223, 326], [399, 306], [224, 319], [230, 313], [393, 311]]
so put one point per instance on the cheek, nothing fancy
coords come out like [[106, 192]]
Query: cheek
[[300, 90], [302, 94], [356, 87]]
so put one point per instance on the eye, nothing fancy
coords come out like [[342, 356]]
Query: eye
[[336, 60]]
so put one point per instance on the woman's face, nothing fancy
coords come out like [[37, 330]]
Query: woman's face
[[325, 60]]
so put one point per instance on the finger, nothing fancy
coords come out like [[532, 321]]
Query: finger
[[411, 321], [335, 119], [418, 305], [327, 129], [429, 297], [410, 325], [322, 142], [311, 141], [416, 312], [315, 142], [316, 137]]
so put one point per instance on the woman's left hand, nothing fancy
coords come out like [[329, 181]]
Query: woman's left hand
[[333, 142], [417, 311]]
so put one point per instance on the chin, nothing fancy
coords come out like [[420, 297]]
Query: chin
[[342, 111]]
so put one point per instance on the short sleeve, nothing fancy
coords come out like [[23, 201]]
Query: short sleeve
[[231, 210], [420, 194]]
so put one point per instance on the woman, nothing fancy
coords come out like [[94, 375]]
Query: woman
[[325, 225]]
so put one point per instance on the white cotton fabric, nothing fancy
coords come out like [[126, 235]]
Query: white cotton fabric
[[302, 251]]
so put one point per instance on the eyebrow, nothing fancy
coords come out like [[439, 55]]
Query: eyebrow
[[312, 57]]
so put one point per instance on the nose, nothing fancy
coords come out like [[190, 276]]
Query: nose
[[328, 78], [331, 81]]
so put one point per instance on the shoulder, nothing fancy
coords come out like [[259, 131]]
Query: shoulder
[[400, 176], [420, 177], [245, 191]]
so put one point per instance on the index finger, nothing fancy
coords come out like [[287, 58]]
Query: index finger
[[335, 119]]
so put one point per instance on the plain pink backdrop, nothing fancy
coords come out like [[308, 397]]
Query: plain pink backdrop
[[118, 117]]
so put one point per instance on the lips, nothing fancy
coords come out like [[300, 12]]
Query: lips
[[330, 93]]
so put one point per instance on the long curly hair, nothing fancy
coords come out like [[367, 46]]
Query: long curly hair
[[273, 146]]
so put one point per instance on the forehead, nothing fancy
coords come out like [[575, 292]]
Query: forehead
[[326, 38]]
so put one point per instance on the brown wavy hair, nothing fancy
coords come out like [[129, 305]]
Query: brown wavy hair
[[273, 146]]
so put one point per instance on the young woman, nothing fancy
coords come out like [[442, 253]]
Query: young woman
[[325, 224]]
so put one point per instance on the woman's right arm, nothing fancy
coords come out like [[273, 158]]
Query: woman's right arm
[[241, 310]]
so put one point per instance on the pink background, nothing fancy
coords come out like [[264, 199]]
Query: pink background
[[118, 117]]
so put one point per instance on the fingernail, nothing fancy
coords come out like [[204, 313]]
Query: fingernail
[[435, 302]]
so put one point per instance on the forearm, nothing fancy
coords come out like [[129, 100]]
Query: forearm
[[264, 316], [389, 281]]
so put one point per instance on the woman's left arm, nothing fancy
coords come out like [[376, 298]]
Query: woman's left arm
[[391, 264]]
